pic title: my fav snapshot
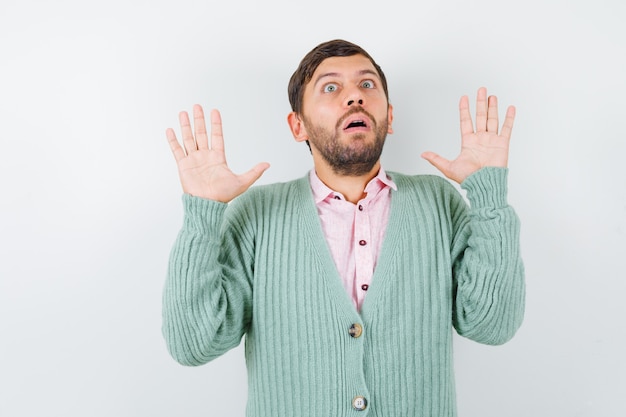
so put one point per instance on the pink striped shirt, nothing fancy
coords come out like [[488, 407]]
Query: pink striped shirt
[[354, 232]]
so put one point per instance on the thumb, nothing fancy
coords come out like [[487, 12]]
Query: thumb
[[248, 178], [437, 161]]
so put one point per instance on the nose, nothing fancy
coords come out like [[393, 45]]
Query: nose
[[353, 95]]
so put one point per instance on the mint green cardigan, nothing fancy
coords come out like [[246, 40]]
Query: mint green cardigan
[[260, 267]]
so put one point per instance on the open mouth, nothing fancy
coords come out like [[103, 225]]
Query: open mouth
[[356, 123]]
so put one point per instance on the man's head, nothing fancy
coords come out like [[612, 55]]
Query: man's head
[[314, 58], [340, 108]]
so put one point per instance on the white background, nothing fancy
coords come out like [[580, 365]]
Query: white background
[[90, 199]]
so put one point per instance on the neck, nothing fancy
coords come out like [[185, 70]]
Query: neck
[[352, 187]]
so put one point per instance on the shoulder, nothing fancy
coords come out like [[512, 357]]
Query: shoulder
[[266, 196], [269, 192], [430, 192], [425, 182]]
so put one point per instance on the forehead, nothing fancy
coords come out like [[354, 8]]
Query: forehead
[[343, 66]]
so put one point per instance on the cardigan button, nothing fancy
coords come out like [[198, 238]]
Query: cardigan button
[[355, 330], [359, 403]]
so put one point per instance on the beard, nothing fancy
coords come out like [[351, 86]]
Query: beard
[[355, 157]]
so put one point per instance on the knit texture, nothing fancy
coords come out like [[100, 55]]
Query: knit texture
[[260, 267]]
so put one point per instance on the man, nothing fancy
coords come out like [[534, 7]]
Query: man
[[347, 282]]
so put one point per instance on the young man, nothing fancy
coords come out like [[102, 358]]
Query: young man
[[347, 282]]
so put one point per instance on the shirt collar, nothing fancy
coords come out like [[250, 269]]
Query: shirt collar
[[321, 191]]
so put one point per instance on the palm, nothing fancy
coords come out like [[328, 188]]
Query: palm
[[483, 147], [202, 166], [202, 172]]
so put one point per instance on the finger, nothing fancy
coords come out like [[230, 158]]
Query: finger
[[248, 178], [492, 114], [481, 110], [199, 125], [177, 150], [466, 117], [507, 126], [217, 138], [185, 127], [437, 161]]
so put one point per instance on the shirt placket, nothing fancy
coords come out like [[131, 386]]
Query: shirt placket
[[364, 262]]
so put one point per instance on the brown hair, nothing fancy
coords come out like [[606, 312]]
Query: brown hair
[[314, 58]]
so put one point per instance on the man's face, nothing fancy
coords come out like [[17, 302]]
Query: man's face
[[346, 115]]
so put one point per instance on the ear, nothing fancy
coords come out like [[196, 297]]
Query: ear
[[389, 119], [297, 127]]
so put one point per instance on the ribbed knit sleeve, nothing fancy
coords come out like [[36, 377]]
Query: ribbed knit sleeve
[[206, 305], [488, 270]]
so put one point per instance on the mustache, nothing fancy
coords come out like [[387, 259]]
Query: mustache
[[353, 110]]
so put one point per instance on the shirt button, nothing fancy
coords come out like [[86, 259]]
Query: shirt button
[[359, 403], [362, 242], [356, 330], [364, 287], [360, 207]]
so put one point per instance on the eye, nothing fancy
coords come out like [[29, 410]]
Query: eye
[[368, 84], [329, 88]]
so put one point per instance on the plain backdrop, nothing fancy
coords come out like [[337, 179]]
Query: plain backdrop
[[91, 203]]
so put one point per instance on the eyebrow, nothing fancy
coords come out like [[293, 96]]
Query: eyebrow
[[336, 74]]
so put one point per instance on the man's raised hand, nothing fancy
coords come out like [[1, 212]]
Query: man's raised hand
[[483, 147], [202, 163]]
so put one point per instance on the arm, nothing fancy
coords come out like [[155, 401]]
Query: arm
[[207, 294], [489, 287], [208, 290]]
